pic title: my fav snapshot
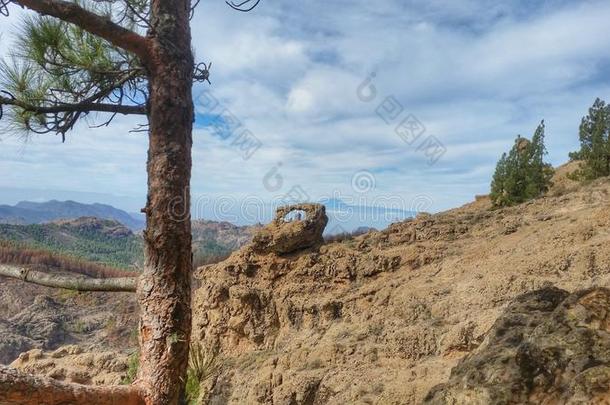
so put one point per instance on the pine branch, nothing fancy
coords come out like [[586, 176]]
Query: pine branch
[[91, 22], [118, 284], [78, 107], [243, 6]]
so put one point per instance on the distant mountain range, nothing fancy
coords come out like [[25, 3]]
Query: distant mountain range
[[347, 217], [27, 212], [343, 216], [105, 234]]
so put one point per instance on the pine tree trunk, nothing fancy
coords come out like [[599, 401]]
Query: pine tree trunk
[[164, 287]]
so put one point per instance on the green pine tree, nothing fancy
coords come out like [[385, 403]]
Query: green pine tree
[[498, 183], [522, 174], [538, 173], [594, 134]]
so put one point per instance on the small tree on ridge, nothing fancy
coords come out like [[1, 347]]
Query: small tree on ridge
[[594, 134], [522, 174]]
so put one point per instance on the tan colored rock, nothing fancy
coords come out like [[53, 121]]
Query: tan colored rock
[[71, 364], [285, 235], [33, 316], [547, 347]]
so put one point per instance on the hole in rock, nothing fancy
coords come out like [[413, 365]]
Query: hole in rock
[[295, 215]]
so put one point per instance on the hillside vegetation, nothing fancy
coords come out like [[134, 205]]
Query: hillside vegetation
[[18, 254], [110, 243], [92, 239]]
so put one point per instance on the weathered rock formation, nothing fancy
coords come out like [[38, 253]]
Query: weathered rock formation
[[237, 304], [548, 347], [36, 317], [284, 235]]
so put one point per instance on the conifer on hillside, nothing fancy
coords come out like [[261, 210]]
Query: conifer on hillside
[[594, 134], [522, 174]]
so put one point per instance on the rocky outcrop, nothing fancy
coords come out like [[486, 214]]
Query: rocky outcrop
[[286, 235], [246, 301], [549, 347], [110, 228], [282, 284]]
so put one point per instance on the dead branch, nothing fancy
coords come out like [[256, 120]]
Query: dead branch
[[118, 284], [244, 6], [25, 389]]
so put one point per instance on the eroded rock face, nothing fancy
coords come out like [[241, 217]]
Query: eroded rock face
[[549, 347], [252, 305], [286, 236], [251, 301], [37, 317]]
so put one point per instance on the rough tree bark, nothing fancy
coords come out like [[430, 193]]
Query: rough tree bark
[[164, 286]]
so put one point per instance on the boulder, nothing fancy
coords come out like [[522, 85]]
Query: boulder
[[549, 347]]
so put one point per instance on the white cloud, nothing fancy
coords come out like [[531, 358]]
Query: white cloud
[[475, 72]]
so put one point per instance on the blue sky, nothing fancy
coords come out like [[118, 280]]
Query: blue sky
[[473, 73]]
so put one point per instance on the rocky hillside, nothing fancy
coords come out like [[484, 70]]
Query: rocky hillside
[[218, 239], [35, 317], [548, 347], [38, 318], [384, 318]]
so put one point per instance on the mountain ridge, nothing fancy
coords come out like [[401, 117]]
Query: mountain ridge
[[30, 212]]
